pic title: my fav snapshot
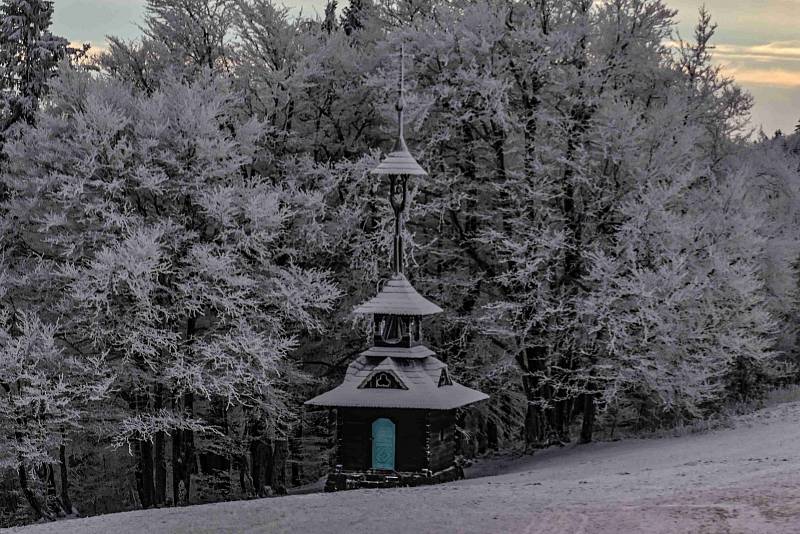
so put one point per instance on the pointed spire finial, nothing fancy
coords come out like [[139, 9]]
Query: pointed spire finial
[[398, 184], [401, 103], [400, 161], [400, 145]]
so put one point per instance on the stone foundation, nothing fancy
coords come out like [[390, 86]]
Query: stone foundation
[[346, 480]]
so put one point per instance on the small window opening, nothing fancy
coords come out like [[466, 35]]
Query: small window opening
[[416, 334], [444, 379], [392, 329]]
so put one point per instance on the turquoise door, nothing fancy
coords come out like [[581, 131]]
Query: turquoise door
[[383, 444]]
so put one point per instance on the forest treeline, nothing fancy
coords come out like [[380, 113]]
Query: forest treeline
[[187, 220]]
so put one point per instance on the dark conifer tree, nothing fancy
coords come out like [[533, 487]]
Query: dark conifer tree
[[329, 24], [353, 15], [29, 53]]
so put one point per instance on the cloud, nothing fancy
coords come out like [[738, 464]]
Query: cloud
[[743, 21], [775, 64], [93, 51], [778, 50], [770, 77]]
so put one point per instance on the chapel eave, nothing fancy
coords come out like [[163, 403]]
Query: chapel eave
[[398, 297], [399, 163], [420, 386], [455, 396]]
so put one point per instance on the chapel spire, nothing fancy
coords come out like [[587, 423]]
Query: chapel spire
[[396, 396], [399, 165], [400, 144], [400, 161], [398, 296]]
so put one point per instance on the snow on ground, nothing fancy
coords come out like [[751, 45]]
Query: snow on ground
[[740, 480]]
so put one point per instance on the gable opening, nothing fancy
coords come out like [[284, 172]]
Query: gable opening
[[383, 380]]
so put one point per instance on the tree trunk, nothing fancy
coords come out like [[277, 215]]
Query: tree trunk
[[218, 465], [183, 441], [280, 455], [62, 457], [177, 466], [188, 449], [297, 454], [245, 477], [533, 429], [30, 495], [261, 458], [52, 501], [144, 472], [587, 427], [491, 435], [543, 425], [160, 462], [183, 458]]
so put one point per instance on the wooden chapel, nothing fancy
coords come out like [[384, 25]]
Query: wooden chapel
[[396, 408]]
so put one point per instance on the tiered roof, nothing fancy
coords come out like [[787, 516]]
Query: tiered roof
[[419, 351], [418, 373], [396, 376], [398, 297], [399, 162], [420, 376]]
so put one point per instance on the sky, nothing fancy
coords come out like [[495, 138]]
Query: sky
[[757, 43]]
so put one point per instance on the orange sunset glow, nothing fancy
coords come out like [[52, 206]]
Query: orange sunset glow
[[757, 43]]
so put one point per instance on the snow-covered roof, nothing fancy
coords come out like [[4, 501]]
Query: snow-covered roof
[[419, 351], [419, 376], [399, 162], [398, 297]]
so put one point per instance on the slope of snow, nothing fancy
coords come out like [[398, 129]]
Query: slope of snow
[[744, 479]]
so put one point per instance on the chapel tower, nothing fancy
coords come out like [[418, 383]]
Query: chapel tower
[[395, 410]]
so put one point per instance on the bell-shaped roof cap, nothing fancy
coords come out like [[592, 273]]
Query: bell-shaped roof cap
[[399, 161], [398, 297]]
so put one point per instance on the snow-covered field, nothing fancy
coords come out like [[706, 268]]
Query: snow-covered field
[[740, 480]]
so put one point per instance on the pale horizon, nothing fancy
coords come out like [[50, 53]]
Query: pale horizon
[[757, 43]]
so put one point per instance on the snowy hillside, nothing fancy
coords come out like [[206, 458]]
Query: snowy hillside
[[743, 479]]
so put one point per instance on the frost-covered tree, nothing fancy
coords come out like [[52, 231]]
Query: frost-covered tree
[[541, 122], [195, 32], [176, 258], [519, 111], [678, 307], [29, 53], [183, 38], [774, 168], [610, 249], [46, 396], [270, 50], [354, 15]]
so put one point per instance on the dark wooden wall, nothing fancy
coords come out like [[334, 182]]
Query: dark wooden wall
[[424, 439], [355, 437], [442, 446]]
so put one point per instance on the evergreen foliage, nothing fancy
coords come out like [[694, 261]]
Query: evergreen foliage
[[29, 53]]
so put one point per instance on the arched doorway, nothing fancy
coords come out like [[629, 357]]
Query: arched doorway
[[383, 441]]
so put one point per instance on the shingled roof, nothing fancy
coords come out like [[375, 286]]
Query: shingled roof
[[399, 162], [418, 351], [396, 376], [398, 297], [420, 377]]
